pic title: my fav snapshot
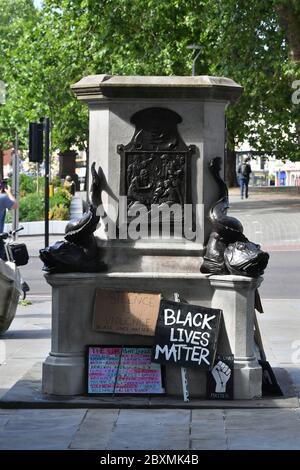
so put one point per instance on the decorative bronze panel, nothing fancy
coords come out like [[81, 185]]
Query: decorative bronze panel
[[155, 164]]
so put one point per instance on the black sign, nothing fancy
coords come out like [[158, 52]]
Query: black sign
[[220, 378], [186, 335]]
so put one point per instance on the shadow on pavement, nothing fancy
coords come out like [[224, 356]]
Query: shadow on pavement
[[27, 334]]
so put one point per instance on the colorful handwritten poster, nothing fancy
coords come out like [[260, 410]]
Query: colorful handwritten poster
[[123, 370], [103, 364]]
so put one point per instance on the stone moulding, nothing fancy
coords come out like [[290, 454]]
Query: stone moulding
[[203, 87]]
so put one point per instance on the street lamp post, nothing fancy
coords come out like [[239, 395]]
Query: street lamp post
[[47, 177], [15, 183], [196, 48]]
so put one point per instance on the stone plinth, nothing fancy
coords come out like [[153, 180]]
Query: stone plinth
[[73, 297], [154, 138], [200, 102]]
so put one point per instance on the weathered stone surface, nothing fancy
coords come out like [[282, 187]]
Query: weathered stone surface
[[155, 265], [95, 430], [40, 429], [64, 369], [95, 87], [200, 101]]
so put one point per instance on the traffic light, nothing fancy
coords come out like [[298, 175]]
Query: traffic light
[[35, 142]]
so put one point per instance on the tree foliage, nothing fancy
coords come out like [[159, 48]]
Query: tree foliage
[[16, 19], [251, 47], [256, 43]]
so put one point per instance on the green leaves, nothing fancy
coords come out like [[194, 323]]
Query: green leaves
[[42, 52]]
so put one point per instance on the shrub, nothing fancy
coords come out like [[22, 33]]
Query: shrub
[[32, 203], [61, 197], [59, 212], [56, 181], [8, 217], [31, 208], [28, 185]]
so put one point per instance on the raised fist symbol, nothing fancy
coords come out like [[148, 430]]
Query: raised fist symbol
[[221, 373]]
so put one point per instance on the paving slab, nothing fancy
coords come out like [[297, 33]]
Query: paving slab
[[270, 439], [95, 430], [152, 429], [40, 429], [112, 429], [149, 437], [261, 419], [204, 416], [262, 429], [3, 420], [209, 444], [13, 440], [154, 417], [211, 430]]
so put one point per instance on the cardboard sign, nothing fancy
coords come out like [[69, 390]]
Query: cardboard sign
[[220, 378], [122, 370], [128, 313], [186, 335]]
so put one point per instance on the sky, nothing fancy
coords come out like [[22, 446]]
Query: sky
[[38, 3]]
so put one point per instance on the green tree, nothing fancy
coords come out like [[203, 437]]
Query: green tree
[[256, 43], [16, 16], [251, 44], [83, 37]]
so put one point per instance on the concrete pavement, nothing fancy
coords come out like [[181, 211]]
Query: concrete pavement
[[28, 342], [109, 429], [270, 220]]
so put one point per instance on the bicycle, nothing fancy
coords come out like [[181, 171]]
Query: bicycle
[[11, 284]]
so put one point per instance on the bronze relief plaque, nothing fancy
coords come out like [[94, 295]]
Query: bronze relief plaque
[[155, 164]]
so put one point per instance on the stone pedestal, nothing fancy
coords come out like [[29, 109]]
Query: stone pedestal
[[235, 296], [64, 371], [169, 128], [200, 102]]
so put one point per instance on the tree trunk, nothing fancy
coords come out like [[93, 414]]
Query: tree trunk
[[290, 21]]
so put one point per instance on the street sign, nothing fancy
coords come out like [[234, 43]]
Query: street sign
[[36, 142]]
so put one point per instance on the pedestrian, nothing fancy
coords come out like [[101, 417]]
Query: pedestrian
[[244, 172], [69, 185], [7, 201]]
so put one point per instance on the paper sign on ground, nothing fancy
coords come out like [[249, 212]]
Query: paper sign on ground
[[122, 370]]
